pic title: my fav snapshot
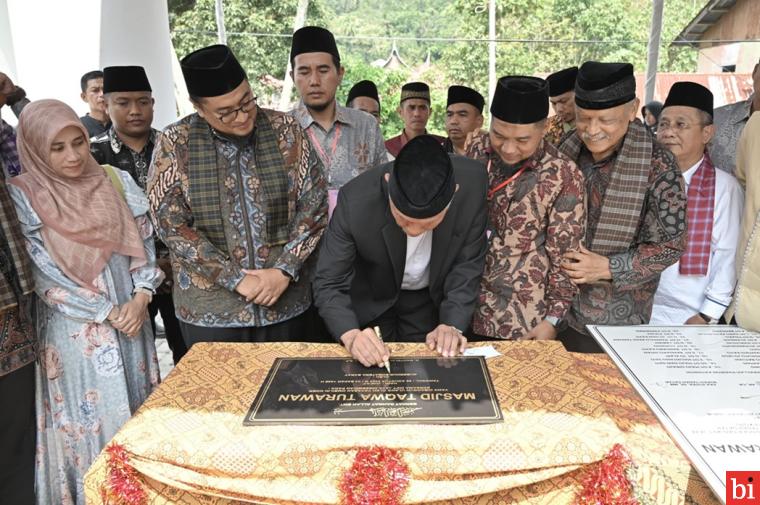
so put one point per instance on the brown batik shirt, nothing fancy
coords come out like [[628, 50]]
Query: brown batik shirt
[[533, 222]]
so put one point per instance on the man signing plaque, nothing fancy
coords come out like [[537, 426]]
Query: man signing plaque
[[404, 251]]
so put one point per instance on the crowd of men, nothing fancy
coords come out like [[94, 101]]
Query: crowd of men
[[307, 225]]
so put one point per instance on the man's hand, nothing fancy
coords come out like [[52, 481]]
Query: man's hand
[[446, 341], [366, 346], [696, 319], [132, 315], [246, 286], [585, 267], [267, 285], [542, 331]]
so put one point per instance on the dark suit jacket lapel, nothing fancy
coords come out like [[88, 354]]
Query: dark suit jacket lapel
[[395, 239], [441, 243], [395, 243]]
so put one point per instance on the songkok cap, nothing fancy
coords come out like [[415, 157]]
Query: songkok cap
[[690, 94], [604, 85], [463, 94], [415, 90], [212, 71], [421, 182], [521, 100], [313, 39], [363, 88], [130, 78], [562, 81]]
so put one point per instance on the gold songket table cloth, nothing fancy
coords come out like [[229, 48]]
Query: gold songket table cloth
[[563, 413]]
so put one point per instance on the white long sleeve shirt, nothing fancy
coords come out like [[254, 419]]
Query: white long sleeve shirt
[[679, 297]]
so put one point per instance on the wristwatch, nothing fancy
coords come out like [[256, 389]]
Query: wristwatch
[[708, 319], [553, 320], [147, 292]]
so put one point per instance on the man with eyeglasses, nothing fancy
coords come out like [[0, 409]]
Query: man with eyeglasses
[[699, 287], [239, 197], [128, 145]]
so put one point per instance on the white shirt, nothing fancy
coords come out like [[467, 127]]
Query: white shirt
[[417, 266], [679, 297]]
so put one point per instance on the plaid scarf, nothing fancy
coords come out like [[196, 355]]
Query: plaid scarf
[[16, 279], [700, 210], [207, 172], [624, 197], [8, 151]]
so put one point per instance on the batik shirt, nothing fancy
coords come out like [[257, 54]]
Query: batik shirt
[[729, 122], [198, 263], [18, 344], [108, 149], [659, 241], [533, 222], [556, 128], [352, 145]]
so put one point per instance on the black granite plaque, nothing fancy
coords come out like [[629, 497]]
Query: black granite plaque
[[343, 391]]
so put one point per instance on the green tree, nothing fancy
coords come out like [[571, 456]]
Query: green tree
[[606, 30]]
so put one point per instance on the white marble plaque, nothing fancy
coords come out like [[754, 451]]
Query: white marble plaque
[[703, 384]]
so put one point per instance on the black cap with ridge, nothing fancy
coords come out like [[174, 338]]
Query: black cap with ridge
[[463, 94], [127, 78], [563, 81], [421, 182], [690, 94], [313, 39], [521, 100], [363, 88], [212, 71], [604, 85]]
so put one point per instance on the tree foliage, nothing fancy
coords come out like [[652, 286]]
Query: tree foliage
[[564, 33], [193, 25]]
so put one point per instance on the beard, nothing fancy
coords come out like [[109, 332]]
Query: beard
[[319, 106]]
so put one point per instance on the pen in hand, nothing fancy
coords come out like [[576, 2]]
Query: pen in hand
[[386, 362]]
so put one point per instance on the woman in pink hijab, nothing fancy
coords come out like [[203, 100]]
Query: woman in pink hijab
[[93, 263]]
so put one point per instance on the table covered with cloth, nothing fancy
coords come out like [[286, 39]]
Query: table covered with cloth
[[564, 414]]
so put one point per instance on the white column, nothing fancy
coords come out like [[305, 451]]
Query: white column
[[46, 46], [137, 33]]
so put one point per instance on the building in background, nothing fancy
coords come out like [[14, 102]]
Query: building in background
[[726, 32]]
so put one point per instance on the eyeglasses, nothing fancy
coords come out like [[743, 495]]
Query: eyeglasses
[[232, 115]]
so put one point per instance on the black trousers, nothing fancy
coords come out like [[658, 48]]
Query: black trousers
[[165, 305], [17, 436], [575, 341], [410, 319], [295, 329]]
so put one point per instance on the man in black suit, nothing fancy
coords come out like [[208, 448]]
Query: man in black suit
[[405, 251]]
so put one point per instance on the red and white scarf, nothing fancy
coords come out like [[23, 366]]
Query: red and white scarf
[[700, 210]]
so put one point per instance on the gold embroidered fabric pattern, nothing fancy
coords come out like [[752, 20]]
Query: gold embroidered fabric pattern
[[562, 412]]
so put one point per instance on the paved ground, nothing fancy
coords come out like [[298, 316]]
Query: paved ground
[[165, 363]]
